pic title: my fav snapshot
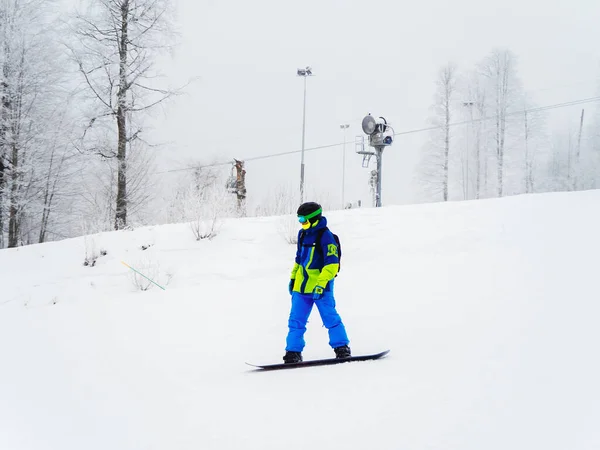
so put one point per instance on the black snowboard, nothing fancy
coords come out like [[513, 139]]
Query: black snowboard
[[319, 362]]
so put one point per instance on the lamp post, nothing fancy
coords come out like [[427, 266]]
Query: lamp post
[[344, 127], [303, 73]]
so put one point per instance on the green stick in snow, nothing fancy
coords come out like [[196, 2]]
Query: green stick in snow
[[152, 281]]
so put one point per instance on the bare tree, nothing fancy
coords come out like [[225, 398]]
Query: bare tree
[[528, 160], [191, 188], [434, 168], [558, 165], [534, 140], [3, 175], [476, 101], [58, 190], [575, 160], [31, 95], [499, 68], [280, 200], [206, 210], [578, 174], [98, 188], [118, 41], [202, 199], [591, 171]]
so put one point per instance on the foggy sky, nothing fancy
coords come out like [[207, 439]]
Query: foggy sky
[[368, 57]]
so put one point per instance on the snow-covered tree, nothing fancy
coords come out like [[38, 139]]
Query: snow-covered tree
[[32, 101], [118, 42], [434, 173], [58, 186], [590, 154], [202, 199], [574, 163], [474, 103], [504, 95], [203, 181], [98, 189]]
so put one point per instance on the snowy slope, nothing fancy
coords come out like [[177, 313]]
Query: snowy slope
[[490, 309]]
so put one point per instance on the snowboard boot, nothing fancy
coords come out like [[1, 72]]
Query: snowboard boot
[[292, 357], [342, 352]]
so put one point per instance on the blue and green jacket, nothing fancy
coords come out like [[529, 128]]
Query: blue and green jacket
[[315, 268]]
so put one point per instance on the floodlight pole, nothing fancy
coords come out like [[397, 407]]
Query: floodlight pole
[[302, 159], [303, 73]]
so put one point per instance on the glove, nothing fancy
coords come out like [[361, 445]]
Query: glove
[[318, 293], [291, 286]]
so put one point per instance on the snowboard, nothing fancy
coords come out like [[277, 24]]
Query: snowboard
[[319, 362]]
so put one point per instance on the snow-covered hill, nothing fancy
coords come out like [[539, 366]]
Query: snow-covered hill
[[490, 310]]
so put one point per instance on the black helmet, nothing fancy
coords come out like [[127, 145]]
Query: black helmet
[[311, 210]]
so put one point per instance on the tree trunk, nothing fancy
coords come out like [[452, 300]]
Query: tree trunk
[[14, 224], [121, 209], [501, 158], [3, 148], [13, 214], [498, 153], [478, 161], [578, 174], [499, 139], [446, 144], [528, 171], [499, 69], [2, 185], [49, 192], [486, 172]]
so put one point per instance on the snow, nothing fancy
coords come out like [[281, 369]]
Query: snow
[[490, 309]]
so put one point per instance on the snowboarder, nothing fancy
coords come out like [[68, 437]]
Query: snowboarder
[[317, 264]]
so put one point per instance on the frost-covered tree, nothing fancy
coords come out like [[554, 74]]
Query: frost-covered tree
[[434, 173], [32, 99], [201, 198], [530, 149], [201, 182], [579, 176], [98, 189], [118, 42], [280, 200], [489, 139], [58, 185], [590, 152], [574, 163], [474, 102], [504, 95]]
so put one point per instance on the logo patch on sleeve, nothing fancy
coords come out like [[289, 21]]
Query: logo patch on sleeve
[[332, 250]]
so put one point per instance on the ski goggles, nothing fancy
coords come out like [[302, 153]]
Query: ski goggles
[[304, 219]]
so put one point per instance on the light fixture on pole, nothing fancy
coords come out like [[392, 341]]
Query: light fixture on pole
[[344, 127], [303, 73]]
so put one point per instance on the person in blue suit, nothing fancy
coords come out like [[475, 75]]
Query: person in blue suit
[[317, 264]]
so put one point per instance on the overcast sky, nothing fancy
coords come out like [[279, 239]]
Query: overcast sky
[[378, 57]]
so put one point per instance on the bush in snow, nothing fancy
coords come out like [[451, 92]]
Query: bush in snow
[[150, 267], [282, 202], [202, 200], [206, 209], [90, 229], [288, 228], [92, 251]]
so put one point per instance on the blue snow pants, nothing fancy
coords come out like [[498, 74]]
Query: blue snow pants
[[301, 307]]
